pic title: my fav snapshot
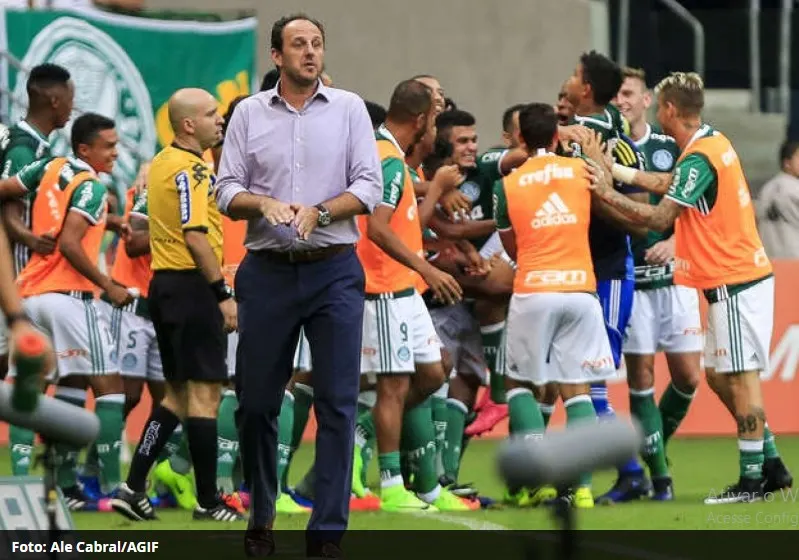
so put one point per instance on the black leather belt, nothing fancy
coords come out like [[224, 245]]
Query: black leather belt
[[306, 256]]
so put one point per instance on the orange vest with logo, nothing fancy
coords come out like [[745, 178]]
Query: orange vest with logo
[[131, 272], [724, 246], [383, 273], [53, 273], [549, 206]]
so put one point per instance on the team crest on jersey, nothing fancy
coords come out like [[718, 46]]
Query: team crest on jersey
[[471, 190], [106, 80], [662, 160], [129, 361], [404, 353]]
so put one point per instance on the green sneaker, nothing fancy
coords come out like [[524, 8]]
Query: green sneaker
[[447, 501], [397, 499], [358, 489], [285, 504], [179, 484]]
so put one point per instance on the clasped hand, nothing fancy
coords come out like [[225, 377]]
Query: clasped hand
[[304, 218]]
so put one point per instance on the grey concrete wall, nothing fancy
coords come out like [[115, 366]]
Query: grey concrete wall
[[487, 54]]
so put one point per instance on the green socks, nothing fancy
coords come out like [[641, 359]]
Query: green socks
[[227, 442], [439, 404], [419, 440], [21, 442], [456, 413], [525, 415], [303, 401], [67, 455], [751, 458], [579, 409], [547, 410], [493, 353], [390, 474], [673, 408], [644, 409], [365, 434], [770, 450], [110, 410], [285, 428]]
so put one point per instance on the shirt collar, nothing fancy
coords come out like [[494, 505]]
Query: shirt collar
[[322, 92], [80, 164], [645, 138], [384, 132], [542, 152], [703, 130], [30, 129]]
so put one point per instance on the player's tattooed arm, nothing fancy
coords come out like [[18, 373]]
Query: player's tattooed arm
[[657, 183], [138, 242], [657, 218]]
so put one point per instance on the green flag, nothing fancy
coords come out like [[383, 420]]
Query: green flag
[[126, 68]]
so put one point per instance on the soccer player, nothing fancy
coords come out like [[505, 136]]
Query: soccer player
[[595, 82], [191, 307], [398, 336], [718, 250], [554, 314], [50, 98], [70, 203], [665, 317]]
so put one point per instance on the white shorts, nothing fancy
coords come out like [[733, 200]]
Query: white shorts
[[739, 330], [557, 337], [135, 345], [494, 246], [302, 354], [460, 334], [80, 333], [664, 320], [397, 334], [3, 335]]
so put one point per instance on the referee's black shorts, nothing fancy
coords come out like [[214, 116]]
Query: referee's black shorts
[[189, 326]]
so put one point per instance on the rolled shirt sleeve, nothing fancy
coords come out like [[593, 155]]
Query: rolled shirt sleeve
[[364, 173], [233, 177]]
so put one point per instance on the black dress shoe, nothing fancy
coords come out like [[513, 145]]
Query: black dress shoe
[[324, 550], [259, 543]]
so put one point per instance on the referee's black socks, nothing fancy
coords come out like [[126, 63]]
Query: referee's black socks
[[202, 445], [159, 427]]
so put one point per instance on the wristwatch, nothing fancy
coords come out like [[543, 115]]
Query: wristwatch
[[324, 218], [222, 291]]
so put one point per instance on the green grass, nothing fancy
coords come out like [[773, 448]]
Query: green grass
[[699, 466]]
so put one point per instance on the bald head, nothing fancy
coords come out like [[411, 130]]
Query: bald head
[[193, 113]]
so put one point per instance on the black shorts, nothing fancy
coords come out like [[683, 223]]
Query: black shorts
[[189, 326]]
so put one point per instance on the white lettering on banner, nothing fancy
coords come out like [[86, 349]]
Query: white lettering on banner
[[550, 171], [556, 278], [785, 354]]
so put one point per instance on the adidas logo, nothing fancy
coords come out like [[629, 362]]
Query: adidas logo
[[553, 212]]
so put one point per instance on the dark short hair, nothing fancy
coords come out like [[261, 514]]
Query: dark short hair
[[409, 99], [229, 112], [377, 113], [270, 79], [45, 76], [788, 149], [280, 25], [455, 117], [603, 75], [538, 123], [86, 128], [507, 116]]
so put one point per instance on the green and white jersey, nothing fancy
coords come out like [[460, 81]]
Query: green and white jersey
[[90, 198], [478, 186], [660, 153], [695, 182], [20, 145]]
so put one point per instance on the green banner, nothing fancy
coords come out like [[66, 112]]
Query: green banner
[[126, 68]]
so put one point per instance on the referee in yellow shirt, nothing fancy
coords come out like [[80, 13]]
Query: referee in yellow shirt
[[191, 306]]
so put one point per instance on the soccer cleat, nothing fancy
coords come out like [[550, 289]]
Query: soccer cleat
[[286, 505], [627, 489], [234, 501], [746, 490], [777, 475], [179, 484], [397, 499], [369, 502], [77, 500], [447, 501], [301, 499], [135, 506], [662, 489], [357, 467], [460, 490], [581, 498], [541, 495], [489, 416], [220, 512]]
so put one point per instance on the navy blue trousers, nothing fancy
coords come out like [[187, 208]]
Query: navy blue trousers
[[274, 300]]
